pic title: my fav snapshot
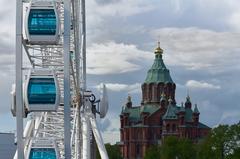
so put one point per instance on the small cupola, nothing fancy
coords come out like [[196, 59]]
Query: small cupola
[[196, 115], [196, 111], [129, 102], [188, 103]]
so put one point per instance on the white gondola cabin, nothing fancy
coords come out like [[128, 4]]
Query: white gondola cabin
[[44, 149], [42, 91], [42, 23], [43, 153]]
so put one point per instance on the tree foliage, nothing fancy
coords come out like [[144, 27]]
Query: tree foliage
[[223, 142], [186, 149], [169, 149], [179, 148], [172, 148], [153, 152], [113, 152]]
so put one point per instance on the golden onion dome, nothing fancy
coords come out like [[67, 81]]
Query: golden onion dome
[[158, 50]]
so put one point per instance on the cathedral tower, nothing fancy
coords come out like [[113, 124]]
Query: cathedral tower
[[158, 81]]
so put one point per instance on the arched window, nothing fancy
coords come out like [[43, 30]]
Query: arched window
[[144, 91], [154, 92], [168, 127], [174, 127], [150, 92]]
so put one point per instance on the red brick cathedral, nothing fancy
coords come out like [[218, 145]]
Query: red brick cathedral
[[158, 116]]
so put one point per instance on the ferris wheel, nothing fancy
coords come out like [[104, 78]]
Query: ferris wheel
[[60, 112]]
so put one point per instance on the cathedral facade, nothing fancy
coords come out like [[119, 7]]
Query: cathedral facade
[[158, 116]]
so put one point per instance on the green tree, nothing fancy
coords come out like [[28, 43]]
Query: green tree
[[233, 144], [186, 149], [204, 149], [178, 148], [220, 137], [169, 149], [215, 145], [153, 152], [222, 143]]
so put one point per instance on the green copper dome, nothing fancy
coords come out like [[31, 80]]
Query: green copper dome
[[158, 72]]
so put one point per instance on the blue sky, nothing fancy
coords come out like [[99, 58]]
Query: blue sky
[[201, 43]]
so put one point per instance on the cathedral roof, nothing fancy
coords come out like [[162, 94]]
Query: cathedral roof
[[158, 72], [171, 112], [200, 125], [203, 126], [135, 112], [149, 108]]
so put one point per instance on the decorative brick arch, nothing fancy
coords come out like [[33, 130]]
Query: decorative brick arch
[[144, 92]]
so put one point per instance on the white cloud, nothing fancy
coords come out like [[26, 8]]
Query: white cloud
[[177, 5], [117, 87], [97, 13], [201, 85], [233, 17], [107, 19], [195, 48], [113, 58], [121, 8], [125, 8], [111, 133], [234, 21]]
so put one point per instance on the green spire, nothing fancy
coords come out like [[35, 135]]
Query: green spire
[[158, 72], [188, 99], [196, 111]]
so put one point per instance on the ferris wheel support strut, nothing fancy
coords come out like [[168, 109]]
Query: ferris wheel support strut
[[89, 122], [83, 47], [19, 92], [67, 111]]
